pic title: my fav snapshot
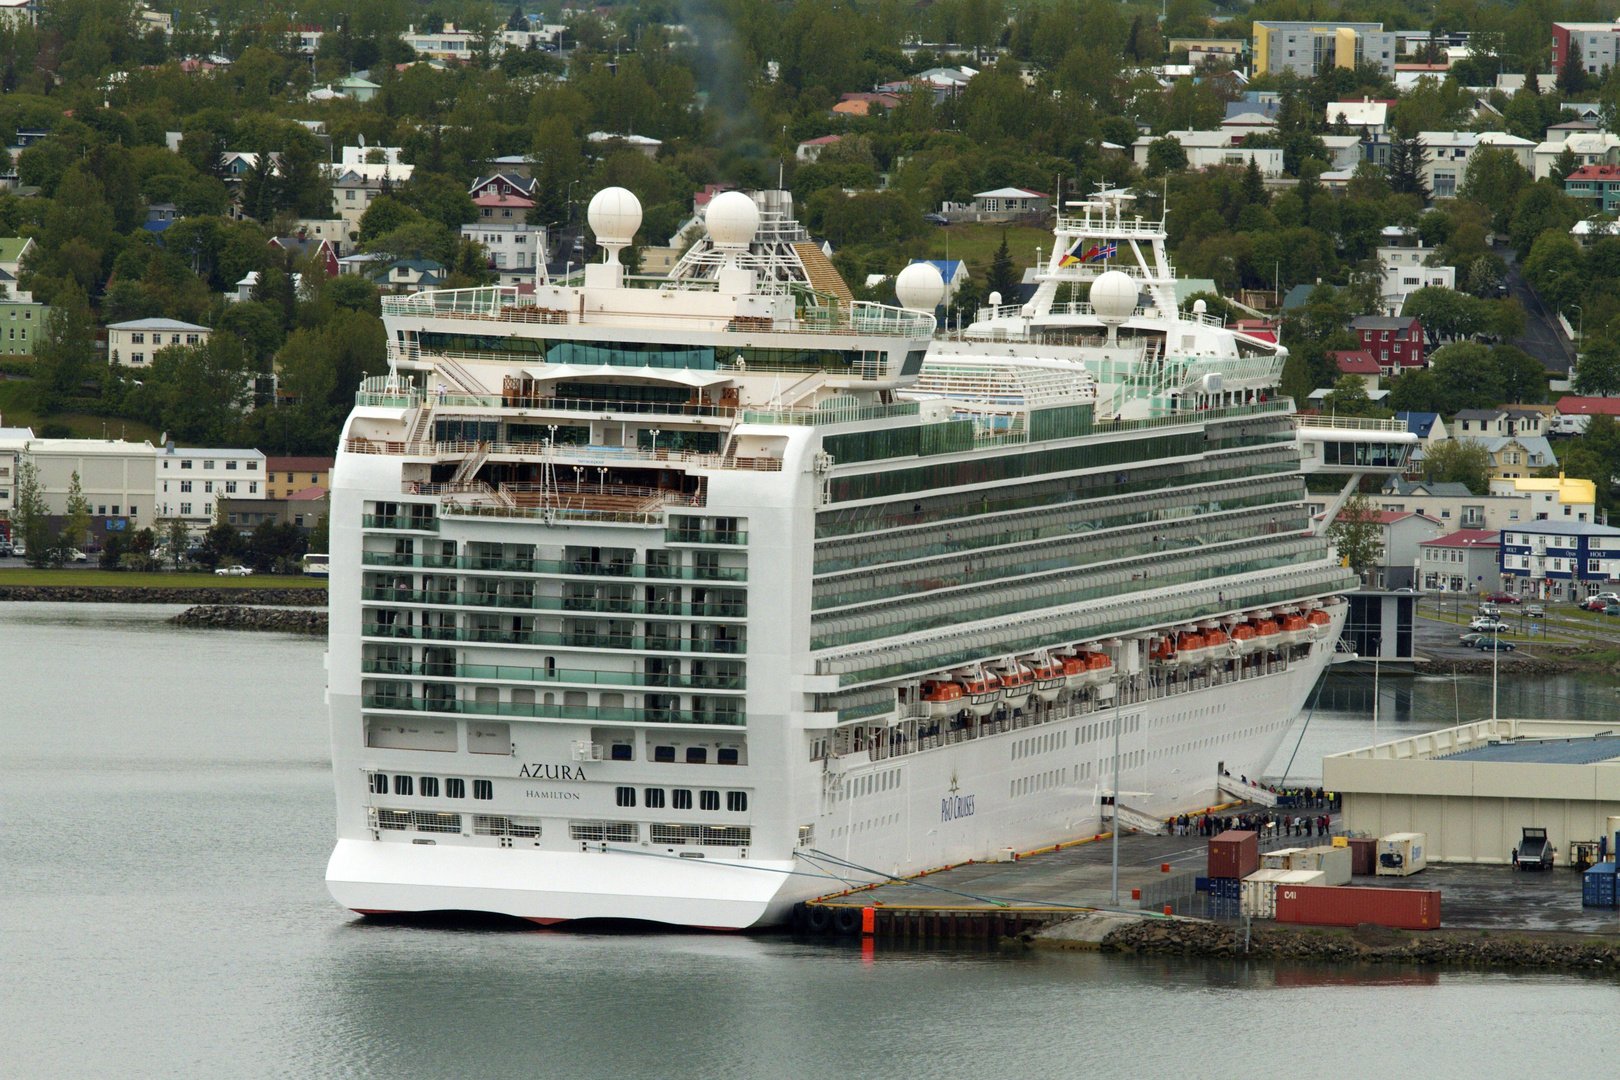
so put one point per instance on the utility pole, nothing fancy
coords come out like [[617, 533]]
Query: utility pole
[[1119, 704]]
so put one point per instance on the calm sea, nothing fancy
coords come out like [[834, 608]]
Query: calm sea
[[166, 812]]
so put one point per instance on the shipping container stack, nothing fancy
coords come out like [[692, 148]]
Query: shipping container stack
[[1598, 886], [1233, 856]]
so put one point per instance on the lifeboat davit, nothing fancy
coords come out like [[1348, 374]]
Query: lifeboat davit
[[1099, 669], [1190, 649], [1163, 651], [983, 690], [1294, 630], [1017, 684], [1049, 677], [1319, 621], [943, 698]]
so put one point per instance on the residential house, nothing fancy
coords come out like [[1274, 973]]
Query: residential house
[[1399, 535], [1557, 559], [1600, 148], [1427, 426], [136, 343], [1513, 456], [517, 249], [1453, 504], [1589, 231], [446, 43], [1361, 364], [21, 321], [647, 145], [286, 476], [1241, 124], [304, 509], [356, 88], [190, 480], [1573, 413], [1529, 419], [1369, 120], [355, 185], [12, 442], [1209, 149], [810, 149], [1406, 271], [1397, 341], [1478, 423], [1447, 154], [1598, 186], [19, 12], [319, 253], [1463, 561], [1004, 204], [1304, 48], [160, 215], [862, 103], [335, 231], [410, 275], [1559, 498]]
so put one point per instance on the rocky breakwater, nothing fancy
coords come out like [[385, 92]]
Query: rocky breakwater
[[161, 594], [1362, 944], [234, 617]]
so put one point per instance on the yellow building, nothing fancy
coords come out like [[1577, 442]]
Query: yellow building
[[1553, 498], [1306, 48]]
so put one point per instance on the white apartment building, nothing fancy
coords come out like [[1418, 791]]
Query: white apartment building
[[191, 480], [1591, 148], [1207, 149], [1447, 154], [136, 343], [1405, 273], [446, 44]]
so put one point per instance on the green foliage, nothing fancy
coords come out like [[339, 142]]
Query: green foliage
[[1597, 369], [1356, 534], [1166, 155], [1459, 461]]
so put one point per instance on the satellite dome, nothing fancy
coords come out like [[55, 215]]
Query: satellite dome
[[615, 215], [1113, 296], [732, 219], [995, 299], [920, 287], [1199, 307]]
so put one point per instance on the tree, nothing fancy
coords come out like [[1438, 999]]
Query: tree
[[76, 525], [1565, 163], [220, 544], [1459, 461], [177, 540], [1446, 314], [1356, 535], [1407, 157], [1571, 73], [65, 350], [1003, 275], [1494, 180], [1254, 185], [1524, 380], [1465, 377], [29, 513], [1349, 398], [1166, 155], [1597, 370]]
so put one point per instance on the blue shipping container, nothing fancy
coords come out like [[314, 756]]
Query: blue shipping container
[[1598, 886], [1226, 888], [1201, 884]]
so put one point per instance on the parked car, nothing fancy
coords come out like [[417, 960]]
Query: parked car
[[234, 571], [75, 555], [1503, 598], [1490, 611], [1536, 611], [1489, 625], [1535, 851], [1594, 603], [1494, 644], [1471, 640], [1611, 608]]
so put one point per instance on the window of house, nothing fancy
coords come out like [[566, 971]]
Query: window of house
[[185, 509], [137, 358], [137, 339], [186, 464]]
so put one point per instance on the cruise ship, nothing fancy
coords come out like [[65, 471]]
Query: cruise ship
[[686, 600]]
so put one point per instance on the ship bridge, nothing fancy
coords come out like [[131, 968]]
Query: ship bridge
[[1351, 446]]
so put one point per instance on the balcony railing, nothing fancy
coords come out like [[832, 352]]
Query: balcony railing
[[598, 713], [704, 536], [584, 676], [554, 639], [560, 453], [595, 604], [565, 567], [409, 523]]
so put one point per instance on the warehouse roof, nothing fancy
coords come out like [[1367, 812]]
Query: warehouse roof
[[1546, 751]]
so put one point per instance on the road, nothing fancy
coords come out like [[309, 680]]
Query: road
[[1543, 338]]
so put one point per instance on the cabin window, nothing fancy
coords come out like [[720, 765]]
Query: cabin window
[[664, 753], [697, 755], [483, 789], [626, 796], [379, 783], [402, 785], [737, 801], [654, 797], [708, 800], [430, 787], [681, 799], [455, 788]]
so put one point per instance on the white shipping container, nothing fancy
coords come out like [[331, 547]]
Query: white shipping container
[[1402, 854], [1332, 861], [1281, 859], [1259, 895]]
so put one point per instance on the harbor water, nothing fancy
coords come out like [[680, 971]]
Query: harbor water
[[168, 812]]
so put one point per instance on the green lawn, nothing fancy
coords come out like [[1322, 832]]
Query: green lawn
[[977, 244], [22, 575], [83, 425]]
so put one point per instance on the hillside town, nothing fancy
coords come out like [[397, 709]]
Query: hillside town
[[204, 207]]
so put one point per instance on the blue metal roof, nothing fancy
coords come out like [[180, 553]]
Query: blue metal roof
[[1546, 751]]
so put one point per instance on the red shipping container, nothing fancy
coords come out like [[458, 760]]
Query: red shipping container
[[1350, 905], [1363, 854], [1234, 854]]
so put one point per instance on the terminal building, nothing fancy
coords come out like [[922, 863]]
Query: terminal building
[[1473, 787]]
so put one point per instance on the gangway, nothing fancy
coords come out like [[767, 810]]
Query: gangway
[[1253, 793], [1134, 819]]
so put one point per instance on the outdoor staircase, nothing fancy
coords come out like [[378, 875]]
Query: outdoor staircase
[[824, 277], [1253, 793], [420, 425], [471, 464], [459, 377]]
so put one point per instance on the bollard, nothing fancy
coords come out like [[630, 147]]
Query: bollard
[[1167, 909], [868, 920]]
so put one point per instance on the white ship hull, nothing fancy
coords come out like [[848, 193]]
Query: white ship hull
[[1021, 789]]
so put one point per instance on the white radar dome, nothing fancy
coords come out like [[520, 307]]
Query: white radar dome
[[1113, 296], [732, 219], [615, 215], [920, 287]]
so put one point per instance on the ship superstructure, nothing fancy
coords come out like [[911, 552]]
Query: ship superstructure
[[677, 603]]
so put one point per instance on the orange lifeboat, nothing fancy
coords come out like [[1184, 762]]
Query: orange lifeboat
[[943, 698], [1265, 631], [1049, 677], [1319, 621], [1017, 684], [1163, 651], [1190, 649], [1243, 637], [1099, 669], [983, 691], [1074, 670], [1218, 644], [1294, 630]]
